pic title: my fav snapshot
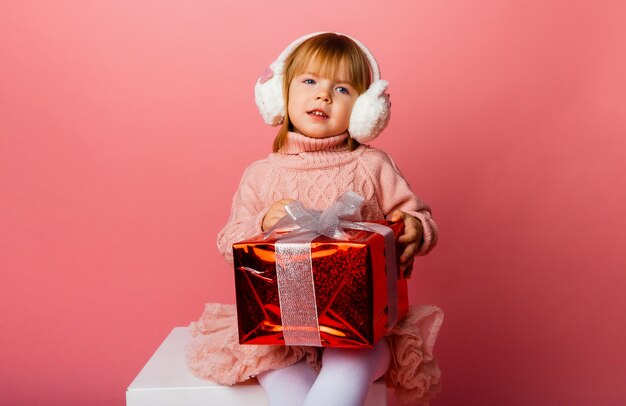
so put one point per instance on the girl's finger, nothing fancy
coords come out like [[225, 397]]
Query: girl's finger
[[408, 253], [408, 270], [409, 236], [395, 216]]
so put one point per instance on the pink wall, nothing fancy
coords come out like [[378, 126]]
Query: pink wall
[[124, 130]]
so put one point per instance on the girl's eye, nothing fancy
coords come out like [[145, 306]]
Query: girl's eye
[[309, 81], [343, 90]]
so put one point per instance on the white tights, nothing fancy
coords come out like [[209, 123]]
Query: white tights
[[344, 379]]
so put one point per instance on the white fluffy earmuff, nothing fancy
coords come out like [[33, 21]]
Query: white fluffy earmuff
[[370, 113]]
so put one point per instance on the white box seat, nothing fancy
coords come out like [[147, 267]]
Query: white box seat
[[166, 381]]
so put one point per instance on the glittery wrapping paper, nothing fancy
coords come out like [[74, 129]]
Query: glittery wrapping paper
[[350, 283]]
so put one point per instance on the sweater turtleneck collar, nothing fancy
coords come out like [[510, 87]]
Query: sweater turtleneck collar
[[299, 143]]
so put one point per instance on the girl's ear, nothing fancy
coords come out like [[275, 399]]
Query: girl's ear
[[268, 94], [370, 113]]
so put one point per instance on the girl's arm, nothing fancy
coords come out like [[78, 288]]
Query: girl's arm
[[394, 194], [246, 214]]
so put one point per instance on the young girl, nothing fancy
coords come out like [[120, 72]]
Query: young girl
[[326, 93]]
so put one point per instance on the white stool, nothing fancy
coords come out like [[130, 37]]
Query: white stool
[[165, 381]]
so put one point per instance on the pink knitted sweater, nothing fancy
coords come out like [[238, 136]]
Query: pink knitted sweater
[[316, 171]]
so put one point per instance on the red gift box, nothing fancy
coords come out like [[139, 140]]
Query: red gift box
[[350, 283]]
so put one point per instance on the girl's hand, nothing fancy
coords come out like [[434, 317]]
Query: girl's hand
[[410, 240], [275, 213]]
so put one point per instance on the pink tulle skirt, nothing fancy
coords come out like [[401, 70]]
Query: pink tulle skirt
[[215, 354]]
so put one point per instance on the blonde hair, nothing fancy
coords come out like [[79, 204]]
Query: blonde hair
[[328, 52]]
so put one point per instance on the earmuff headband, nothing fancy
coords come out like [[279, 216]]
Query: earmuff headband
[[368, 54]]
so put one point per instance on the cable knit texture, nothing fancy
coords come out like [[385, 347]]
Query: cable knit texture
[[316, 172]]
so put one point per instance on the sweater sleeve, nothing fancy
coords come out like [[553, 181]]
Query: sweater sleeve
[[246, 214], [394, 193]]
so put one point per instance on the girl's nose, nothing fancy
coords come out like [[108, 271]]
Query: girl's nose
[[323, 95]]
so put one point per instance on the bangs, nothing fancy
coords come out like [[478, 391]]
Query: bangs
[[334, 57]]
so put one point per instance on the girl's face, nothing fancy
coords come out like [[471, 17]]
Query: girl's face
[[320, 107]]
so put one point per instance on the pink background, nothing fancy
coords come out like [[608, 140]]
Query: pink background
[[125, 127]]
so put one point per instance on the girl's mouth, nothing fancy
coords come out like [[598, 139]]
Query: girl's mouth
[[317, 114]]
